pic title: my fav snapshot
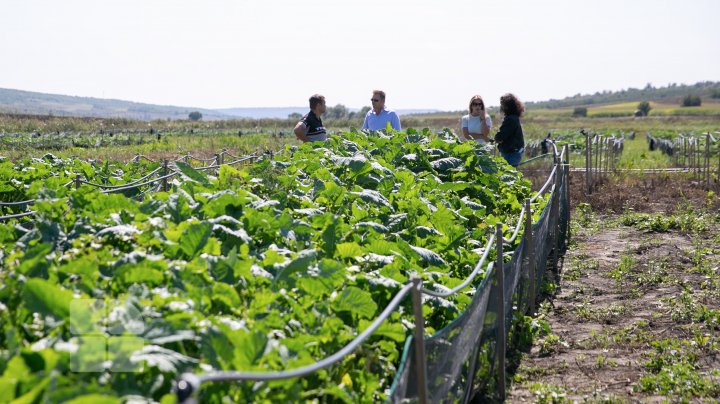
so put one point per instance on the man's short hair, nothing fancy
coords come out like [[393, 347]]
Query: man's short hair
[[315, 100], [381, 93]]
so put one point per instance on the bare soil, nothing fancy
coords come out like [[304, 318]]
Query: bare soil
[[615, 294]]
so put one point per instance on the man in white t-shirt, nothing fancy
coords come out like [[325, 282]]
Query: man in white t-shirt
[[379, 116]]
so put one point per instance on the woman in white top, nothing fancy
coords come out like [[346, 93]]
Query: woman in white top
[[476, 125]]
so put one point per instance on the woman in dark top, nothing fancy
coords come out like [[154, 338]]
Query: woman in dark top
[[511, 142]]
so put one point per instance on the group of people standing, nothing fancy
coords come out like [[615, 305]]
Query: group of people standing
[[475, 125], [510, 139]]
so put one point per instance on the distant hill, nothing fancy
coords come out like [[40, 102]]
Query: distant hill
[[259, 113], [28, 102], [672, 93], [33, 103], [283, 112]]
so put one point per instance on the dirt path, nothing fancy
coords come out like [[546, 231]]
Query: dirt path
[[634, 317]]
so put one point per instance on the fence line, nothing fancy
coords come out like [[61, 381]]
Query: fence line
[[107, 189], [691, 153], [601, 156], [189, 379]]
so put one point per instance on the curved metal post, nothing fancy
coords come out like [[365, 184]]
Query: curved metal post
[[419, 335], [500, 337]]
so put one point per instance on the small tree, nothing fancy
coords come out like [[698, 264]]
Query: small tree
[[580, 111], [195, 116], [715, 93], [363, 111], [644, 108], [337, 112], [691, 101], [295, 115]]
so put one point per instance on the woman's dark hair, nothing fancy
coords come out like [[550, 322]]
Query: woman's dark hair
[[476, 98], [511, 105], [315, 100]]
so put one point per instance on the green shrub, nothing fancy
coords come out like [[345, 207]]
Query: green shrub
[[644, 108], [691, 101]]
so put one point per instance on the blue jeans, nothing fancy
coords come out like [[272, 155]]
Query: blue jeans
[[513, 158]]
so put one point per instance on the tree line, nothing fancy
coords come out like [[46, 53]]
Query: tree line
[[704, 89]]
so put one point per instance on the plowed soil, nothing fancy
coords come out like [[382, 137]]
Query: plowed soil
[[619, 290]]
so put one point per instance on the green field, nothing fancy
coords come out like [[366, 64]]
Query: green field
[[710, 108]]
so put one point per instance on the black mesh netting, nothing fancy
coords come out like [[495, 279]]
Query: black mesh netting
[[461, 359]]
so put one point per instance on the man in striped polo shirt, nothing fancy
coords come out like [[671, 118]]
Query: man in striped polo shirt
[[310, 127]]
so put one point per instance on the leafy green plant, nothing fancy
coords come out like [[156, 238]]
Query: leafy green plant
[[267, 267], [548, 394]]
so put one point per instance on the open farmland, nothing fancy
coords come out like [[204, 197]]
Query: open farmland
[[272, 263], [268, 267]]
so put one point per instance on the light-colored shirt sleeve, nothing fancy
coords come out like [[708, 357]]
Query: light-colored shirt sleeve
[[464, 122], [395, 122], [488, 121], [365, 122]]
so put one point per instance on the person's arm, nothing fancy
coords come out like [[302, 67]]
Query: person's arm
[[395, 122], [365, 122], [464, 128], [466, 134], [301, 131], [485, 127], [505, 131]]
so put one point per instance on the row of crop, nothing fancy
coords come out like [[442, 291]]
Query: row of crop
[[575, 140], [22, 179], [122, 137], [267, 267], [697, 153]]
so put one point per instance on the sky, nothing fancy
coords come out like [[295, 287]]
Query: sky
[[423, 54]]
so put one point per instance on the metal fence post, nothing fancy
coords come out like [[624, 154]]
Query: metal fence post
[[706, 163], [555, 215], [165, 172], [77, 181], [530, 255], [419, 335], [566, 181], [187, 389], [500, 344], [588, 159], [596, 180]]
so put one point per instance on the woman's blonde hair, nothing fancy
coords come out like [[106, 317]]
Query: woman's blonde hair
[[476, 98]]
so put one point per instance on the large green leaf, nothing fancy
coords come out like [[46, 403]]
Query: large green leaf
[[329, 277], [249, 348], [349, 250], [47, 298], [33, 395], [358, 164], [356, 301], [226, 294], [34, 262], [446, 164], [194, 239], [429, 256], [372, 196], [300, 263], [95, 399], [191, 174], [394, 331]]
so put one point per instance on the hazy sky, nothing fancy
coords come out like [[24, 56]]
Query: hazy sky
[[424, 54]]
